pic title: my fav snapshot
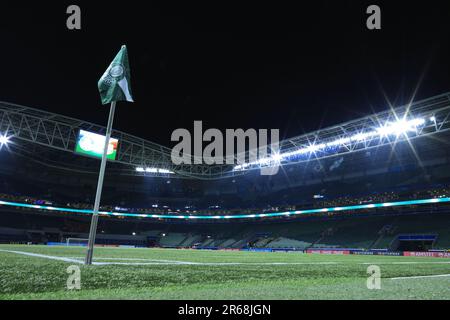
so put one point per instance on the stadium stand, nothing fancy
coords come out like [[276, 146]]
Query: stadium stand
[[172, 239], [362, 231]]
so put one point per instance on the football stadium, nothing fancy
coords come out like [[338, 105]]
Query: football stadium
[[369, 194], [222, 158]]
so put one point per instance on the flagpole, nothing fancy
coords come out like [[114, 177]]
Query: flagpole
[[98, 195]]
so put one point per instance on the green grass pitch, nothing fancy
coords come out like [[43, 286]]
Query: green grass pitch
[[126, 273]]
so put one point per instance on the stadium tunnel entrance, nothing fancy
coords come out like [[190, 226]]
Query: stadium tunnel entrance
[[414, 242]]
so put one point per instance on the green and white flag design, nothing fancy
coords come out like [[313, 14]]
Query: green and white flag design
[[115, 84]]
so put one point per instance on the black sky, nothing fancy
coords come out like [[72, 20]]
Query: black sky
[[296, 68]]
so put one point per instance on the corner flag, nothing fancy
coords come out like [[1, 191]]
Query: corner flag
[[115, 84]]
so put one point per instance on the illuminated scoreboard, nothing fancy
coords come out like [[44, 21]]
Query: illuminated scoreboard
[[91, 144]]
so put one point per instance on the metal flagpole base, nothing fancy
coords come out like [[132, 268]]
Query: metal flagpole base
[[91, 243], [88, 259]]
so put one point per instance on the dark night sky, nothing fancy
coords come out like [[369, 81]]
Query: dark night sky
[[296, 68]]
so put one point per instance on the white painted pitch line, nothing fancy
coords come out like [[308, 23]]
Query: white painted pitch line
[[38, 255], [138, 263], [131, 259], [421, 277], [209, 263], [70, 259], [151, 261], [162, 262], [407, 262], [261, 263], [177, 262]]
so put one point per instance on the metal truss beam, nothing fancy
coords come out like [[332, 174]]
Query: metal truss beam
[[46, 129], [61, 132], [437, 108]]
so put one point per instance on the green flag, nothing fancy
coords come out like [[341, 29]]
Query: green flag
[[114, 85]]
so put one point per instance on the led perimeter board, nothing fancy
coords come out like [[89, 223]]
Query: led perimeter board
[[91, 144]]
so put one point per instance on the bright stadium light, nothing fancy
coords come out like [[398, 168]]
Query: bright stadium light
[[400, 127], [315, 147], [154, 170], [277, 157], [397, 128], [362, 136], [165, 171], [338, 142], [4, 140]]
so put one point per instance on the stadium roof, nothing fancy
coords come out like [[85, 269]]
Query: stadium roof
[[33, 130]]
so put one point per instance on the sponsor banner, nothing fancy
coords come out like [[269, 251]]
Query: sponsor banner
[[389, 253], [364, 253], [286, 250], [427, 254], [328, 251], [378, 253], [258, 249]]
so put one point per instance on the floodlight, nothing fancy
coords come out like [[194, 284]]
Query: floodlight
[[4, 140], [153, 170]]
